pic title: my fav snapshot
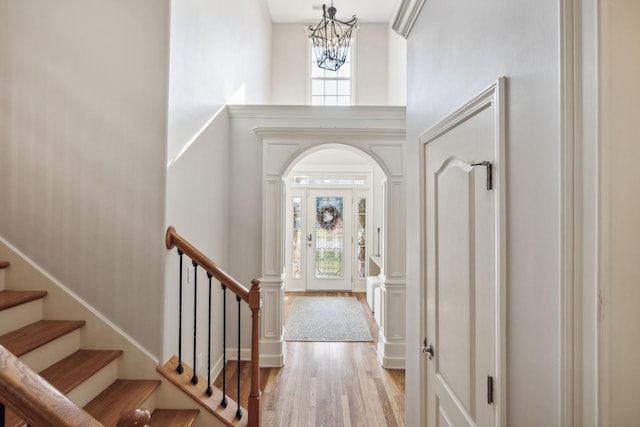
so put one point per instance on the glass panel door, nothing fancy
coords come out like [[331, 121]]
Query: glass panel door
[[329, 239]]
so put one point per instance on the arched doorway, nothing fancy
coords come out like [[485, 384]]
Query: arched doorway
[[334, 203], [283, 148]]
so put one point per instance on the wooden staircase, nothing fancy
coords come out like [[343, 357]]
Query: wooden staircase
[[88, 377]]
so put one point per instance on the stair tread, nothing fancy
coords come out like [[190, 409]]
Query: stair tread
[[71, 371], [30, 337], [122, 395], [173, 417], [10, 299], [4, 264]]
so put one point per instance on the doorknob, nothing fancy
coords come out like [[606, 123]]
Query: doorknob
[[427, 349], [309, 239]]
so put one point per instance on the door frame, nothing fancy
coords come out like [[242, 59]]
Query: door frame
[[492, 97]]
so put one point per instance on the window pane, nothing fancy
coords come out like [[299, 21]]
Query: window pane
[[296, 243], [343, 100], [344, 87], [316, 71], [317, 100], [317, 87], [344, 71], [331, 87], [362, 235]]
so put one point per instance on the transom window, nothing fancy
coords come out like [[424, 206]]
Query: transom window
[[318, 180], [331, 87]]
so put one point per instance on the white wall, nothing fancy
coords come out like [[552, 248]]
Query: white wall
[[290, 64], [620, 211], [454, 51], [397, 69], [83, 90], [219, 54], [197, 206], [372, 53]]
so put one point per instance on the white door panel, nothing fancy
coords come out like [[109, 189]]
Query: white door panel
[[329, 240], [461, 274]]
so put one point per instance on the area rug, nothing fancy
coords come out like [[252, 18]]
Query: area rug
[[326, 319]]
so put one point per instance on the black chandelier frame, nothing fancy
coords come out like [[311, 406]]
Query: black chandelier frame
[[331, 39]]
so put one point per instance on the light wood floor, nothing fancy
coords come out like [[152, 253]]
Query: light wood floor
[[327, 384]]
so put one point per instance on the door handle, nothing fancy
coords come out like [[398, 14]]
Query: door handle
[[309, 239], [427, 349]]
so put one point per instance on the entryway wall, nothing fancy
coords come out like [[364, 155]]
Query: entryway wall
[[265, 142]]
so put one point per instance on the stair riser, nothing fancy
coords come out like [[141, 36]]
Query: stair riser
[[150, 403], [50, 353], [92, 386], [2, 285], [22, 315]]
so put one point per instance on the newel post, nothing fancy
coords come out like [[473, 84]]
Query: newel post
[[254, 396]]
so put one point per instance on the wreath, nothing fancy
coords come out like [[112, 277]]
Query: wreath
[[328, 217]]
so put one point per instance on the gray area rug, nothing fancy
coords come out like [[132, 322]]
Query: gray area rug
[[327, 319]]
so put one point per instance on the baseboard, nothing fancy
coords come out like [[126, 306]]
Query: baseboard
[[391, 355], [272, 353]]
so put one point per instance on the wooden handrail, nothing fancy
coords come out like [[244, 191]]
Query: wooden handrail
[[34, 400], [173, 239]]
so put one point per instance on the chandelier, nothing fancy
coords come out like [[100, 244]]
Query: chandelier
[[331, 39]]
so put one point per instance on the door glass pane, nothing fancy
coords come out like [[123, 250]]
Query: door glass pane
[[329, 235], [361, 226], [295, 245]]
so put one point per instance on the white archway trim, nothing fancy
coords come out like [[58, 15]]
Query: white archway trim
[[283, 147]]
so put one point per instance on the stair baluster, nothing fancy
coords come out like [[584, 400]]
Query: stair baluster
[[239, 411], [224, 346], [194, 378], [209, 389], [180, 368], [1, 414]]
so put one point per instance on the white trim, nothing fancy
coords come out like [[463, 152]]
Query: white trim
[[493, 96], [570, 218], [325, 134], [405, 16], [353, 112]]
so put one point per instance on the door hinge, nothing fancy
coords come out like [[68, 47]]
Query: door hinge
[[489, 389], [489, 167]]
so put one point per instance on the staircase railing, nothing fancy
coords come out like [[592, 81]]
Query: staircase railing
[[249, 296], [40, 404]]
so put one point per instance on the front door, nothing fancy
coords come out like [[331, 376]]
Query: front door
[[328, 240], [461, 276]]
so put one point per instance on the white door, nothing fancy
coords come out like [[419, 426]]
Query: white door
[[460, 276], [328, 240]]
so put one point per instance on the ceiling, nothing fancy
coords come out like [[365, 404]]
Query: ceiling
[[310, 11]]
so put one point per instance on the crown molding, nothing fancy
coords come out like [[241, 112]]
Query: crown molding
[[325, 134], [406, 15], [317, 112]]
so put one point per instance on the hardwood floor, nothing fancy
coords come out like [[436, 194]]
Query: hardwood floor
[[332, 384]]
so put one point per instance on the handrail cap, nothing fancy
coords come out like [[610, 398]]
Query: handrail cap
[[135, 418]]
